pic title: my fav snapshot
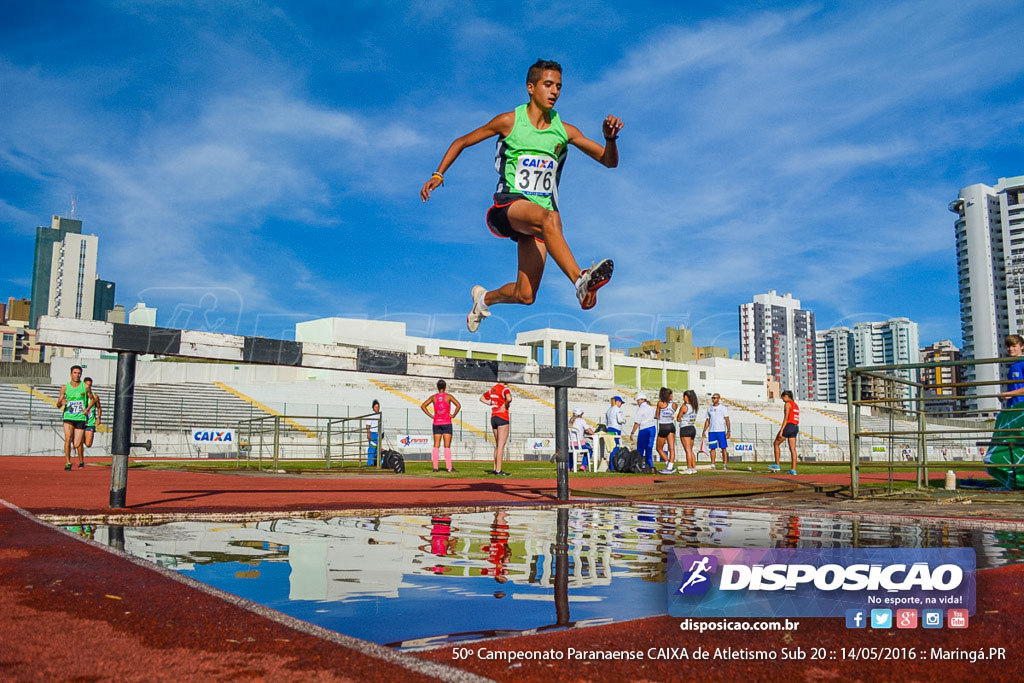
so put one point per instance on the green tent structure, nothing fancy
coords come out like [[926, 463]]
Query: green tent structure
[[1007, 448]]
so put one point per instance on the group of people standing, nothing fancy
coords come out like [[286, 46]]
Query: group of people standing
[[655, 429], [81, 416], [442, 408]]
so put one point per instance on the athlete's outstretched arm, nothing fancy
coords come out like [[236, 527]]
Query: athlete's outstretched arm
[[499, 125], [608, 155]]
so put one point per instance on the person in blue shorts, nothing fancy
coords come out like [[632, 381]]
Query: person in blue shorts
[[373, 434], [720, 430], [645, 429]]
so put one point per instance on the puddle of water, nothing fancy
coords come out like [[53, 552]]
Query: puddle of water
[[415, 581]]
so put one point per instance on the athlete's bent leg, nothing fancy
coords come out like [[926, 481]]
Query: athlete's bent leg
[[532, 255], [69, 438], [534, 220]]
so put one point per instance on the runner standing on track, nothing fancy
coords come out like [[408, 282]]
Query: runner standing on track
[[532, 146], [443, 415], [790, 428], [498, 398], [74, 399], [687, 417]]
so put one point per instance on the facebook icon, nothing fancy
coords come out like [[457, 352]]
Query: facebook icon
[[856, 618]]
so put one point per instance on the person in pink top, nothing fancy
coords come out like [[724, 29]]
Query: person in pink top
[[442, 407]]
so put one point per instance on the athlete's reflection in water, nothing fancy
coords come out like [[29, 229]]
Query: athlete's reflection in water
[[442, 543], [497, 550]]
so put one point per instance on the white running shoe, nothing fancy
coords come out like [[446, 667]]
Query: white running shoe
[[691, 470], [592, 279], [480, 310]]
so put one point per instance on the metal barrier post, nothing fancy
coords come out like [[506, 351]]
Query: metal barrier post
[[853, 421], [121, 439], [328, 442], [922, 442], [277, 438], [562, 442]]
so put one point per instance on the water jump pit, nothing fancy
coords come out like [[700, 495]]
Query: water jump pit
[[420, 581]]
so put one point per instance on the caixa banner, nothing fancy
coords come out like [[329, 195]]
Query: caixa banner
[[816, 582], [213, 435]]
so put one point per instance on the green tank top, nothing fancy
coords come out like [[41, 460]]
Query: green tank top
[[529, 161], [91, 415], [74, 402]]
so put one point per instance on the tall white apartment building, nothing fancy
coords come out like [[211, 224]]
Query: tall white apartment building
[[833, 354], [774, 330], [73, 276], [990, 266], [890, 342]]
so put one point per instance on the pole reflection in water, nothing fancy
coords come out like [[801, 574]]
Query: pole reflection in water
[[561, 554]]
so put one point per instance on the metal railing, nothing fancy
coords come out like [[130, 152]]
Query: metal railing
[[337, 441], [931, 424]]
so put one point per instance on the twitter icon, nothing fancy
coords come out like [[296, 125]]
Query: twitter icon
[[881, 618]]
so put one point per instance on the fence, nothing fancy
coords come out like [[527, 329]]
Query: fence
[[935, 415]]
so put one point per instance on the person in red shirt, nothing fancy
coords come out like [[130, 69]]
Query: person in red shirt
[[498, 398], [790, 428]]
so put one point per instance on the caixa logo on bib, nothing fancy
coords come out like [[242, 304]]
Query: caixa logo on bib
[[788, 582]]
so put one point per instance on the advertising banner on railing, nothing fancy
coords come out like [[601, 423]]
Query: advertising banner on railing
[[540, 445], [415, 442]]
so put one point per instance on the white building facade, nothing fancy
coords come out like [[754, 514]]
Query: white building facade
[[889, 342], [989, 230], [776, 332]]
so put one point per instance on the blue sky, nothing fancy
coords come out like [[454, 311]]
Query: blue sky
[[249, 165]]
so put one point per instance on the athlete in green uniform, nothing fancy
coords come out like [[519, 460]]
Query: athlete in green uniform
[[93, 417], [74, 399], [532, 146]]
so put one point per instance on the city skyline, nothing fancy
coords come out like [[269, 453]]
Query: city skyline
[[270, 158]]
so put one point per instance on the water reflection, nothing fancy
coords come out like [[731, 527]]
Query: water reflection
[[415, 581]]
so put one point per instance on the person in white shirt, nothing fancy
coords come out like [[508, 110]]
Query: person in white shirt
[[614, 419], [373, 434], [647, 424], [580, 430], [721, 430]]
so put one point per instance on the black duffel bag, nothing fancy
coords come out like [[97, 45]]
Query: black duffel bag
[[620, 459]]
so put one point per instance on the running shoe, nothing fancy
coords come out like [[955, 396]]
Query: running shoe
[[491, 472], [67, 467], [503, 473], [591, 280], [791, 472], [692, 470], [774, 467], [480, 310], [81, 465]]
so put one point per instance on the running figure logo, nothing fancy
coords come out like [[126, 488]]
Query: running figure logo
[[696, 580]]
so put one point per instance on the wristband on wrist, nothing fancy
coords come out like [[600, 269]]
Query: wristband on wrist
[[439, 176], [613, 137]]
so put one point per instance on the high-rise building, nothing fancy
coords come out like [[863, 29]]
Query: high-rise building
[[103, 299], [938, 381], [990, 265], [73, 277], [42, 266], [890, 342], [834, 353], [774, 330]]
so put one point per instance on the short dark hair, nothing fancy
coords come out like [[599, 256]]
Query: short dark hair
[[441, 384], [87, 379], [539, 67], [75, 367], [375, 404], [786, 393]]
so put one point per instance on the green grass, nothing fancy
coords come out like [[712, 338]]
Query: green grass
[[464, 469]]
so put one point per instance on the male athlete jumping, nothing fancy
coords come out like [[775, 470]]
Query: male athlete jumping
[[532, 147]]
